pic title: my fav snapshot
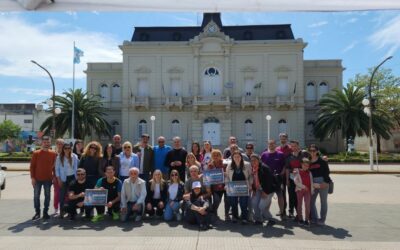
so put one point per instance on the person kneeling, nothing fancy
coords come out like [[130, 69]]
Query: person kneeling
[[113, 185], [133, 196], [197, 208], [76, 194], [156, 194]]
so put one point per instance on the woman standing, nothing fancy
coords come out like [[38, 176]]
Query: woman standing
[[128, 160], [320, 171], [238, 170], [196, 150], [66, 166], [218, 190], [109, 159], [78, 148], [90, 161], [176, 189], [206, 155], [157, 189], [264, 187]]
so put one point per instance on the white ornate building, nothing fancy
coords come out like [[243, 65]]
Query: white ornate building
[[213, 81]]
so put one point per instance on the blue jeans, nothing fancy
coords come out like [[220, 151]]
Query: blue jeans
[[36, 195], [261, 206], [170, 212], [130, 211], [63, 191], [323, 196], [243, 202]]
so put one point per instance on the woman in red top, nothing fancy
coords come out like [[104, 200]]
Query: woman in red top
[[304, 189], [218, 190]]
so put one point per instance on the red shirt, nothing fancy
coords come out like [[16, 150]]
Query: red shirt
[[286, 150], [305, 178], [42, 165]]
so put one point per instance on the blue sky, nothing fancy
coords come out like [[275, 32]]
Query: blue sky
[[360, 39]]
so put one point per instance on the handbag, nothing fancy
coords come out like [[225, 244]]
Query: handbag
[[331, 187]]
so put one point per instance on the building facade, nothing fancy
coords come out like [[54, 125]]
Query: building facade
[[213, 81]]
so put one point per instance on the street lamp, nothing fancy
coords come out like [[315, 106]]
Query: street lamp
[[369, 103], [268, 118], [152, 118], [53, 101]]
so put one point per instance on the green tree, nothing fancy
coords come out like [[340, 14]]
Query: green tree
[[342, 110], [385, 92], [9, 130], [89, 115]]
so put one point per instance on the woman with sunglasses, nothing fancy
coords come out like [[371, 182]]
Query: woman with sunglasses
[[175, 193], [321, 179], [66, 166], [156, 194], [127, 160], [90, 161], [109, 159]]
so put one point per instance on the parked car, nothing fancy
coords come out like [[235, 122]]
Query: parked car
[[2, 178]]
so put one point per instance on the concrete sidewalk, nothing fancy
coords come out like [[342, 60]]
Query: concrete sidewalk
[[335, 168]]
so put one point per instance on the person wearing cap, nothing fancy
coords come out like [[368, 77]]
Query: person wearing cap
[[146, 157], [66, 166], [264, 187], [304, 189], [42, 172], [194, 172], [197, 208]]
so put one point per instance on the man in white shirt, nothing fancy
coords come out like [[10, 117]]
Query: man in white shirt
[[133, 195]]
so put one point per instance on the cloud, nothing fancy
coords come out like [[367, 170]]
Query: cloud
[[387, 37], [350, 46], [21, 42], [352, 20], [31, 92], [318, 24]]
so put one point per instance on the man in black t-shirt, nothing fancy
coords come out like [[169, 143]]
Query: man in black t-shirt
[[76, 194], [114, 186], [176, 158]]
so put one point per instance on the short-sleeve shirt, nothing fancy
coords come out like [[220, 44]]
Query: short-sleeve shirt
[[113, 188], [78, 188]]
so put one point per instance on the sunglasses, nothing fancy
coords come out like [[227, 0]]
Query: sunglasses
[[127, 147], [80, 174], [174, 175], [93, 147]]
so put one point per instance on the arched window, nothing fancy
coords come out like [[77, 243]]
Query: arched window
[[283, 86], [248, 129], [310, 128], [323, 89], [175, 128], [142, 128], [116, 93], [310, 92], [114, 128], [104, 92], [282, 126], [212, 82], [212, 131]]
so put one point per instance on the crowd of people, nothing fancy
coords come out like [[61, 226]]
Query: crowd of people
[[144, 181]]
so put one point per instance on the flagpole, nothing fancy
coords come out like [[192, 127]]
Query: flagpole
[[73, 95]]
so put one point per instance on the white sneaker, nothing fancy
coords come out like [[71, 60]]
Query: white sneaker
[[138, 218]]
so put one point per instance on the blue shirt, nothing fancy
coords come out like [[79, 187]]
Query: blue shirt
[[66, 169], [159, 157]]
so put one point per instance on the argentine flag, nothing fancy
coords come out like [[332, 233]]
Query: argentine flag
[[77, 55]]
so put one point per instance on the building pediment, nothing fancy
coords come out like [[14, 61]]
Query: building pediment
[[282, 68], [142, 70], [175, 70], [249, 69]]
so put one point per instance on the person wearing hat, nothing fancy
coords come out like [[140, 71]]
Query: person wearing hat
[[304, 189], [197, 208], [146, 157]]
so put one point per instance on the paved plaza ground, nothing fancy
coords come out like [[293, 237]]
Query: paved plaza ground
[[363, 214]]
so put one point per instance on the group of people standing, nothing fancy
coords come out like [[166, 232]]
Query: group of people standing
[[169, 182]]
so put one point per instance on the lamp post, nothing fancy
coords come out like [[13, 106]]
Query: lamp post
[[369, 103], [53, 127], [268, 118], [152, 118]]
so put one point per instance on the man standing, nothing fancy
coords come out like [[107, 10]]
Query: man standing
[[284, 148], [42, 172], [176, 158], [117, 144], [133, 195], [249, 149], [160, 153], [227, 151], [275, 160], [146, 157]]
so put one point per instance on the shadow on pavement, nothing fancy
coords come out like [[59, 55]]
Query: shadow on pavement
[[339, 233]]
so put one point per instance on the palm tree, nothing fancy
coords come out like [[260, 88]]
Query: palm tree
[[89, 115], [343, 111]]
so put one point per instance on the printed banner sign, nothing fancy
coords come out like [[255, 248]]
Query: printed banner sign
[[237, 188], [95, 197], [213, 176]]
